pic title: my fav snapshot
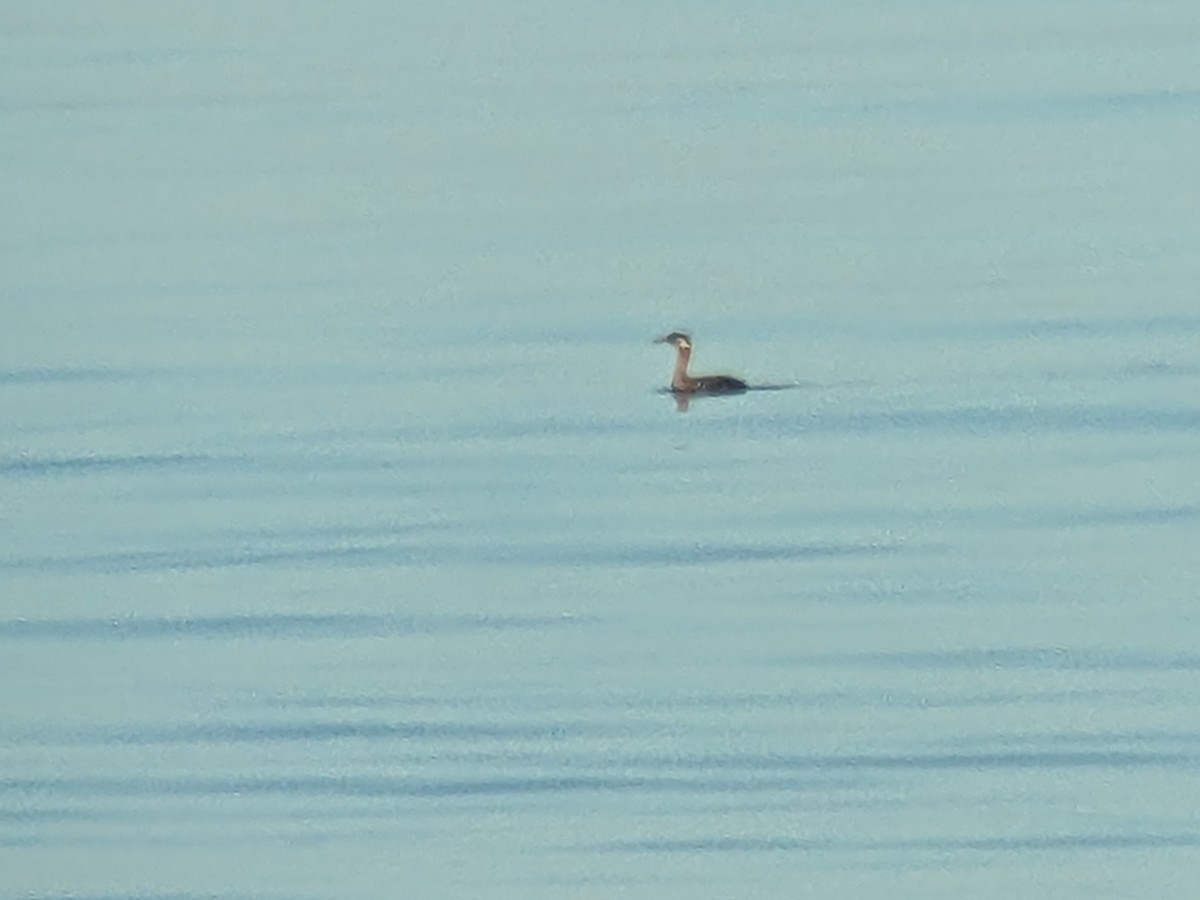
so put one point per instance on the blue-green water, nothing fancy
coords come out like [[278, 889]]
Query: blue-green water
[[351, 548]]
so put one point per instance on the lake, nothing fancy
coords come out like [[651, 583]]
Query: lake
[[354, 549]]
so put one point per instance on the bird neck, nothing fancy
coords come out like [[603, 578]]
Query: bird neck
[[680, 379]]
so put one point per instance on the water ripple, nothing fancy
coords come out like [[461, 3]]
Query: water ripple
[[307, 732], [35, 465], [721, 773], [1011, 419], [1036, 842], [1036, 658], [278, 627], [662, 554]]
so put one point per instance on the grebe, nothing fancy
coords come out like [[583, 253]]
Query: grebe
[[683, 383]]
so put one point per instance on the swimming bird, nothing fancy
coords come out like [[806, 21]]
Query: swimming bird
[[683, 383]]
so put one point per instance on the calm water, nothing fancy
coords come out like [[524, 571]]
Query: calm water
[[352, 550]]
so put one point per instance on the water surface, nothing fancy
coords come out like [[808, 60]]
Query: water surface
[[352, 549]]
